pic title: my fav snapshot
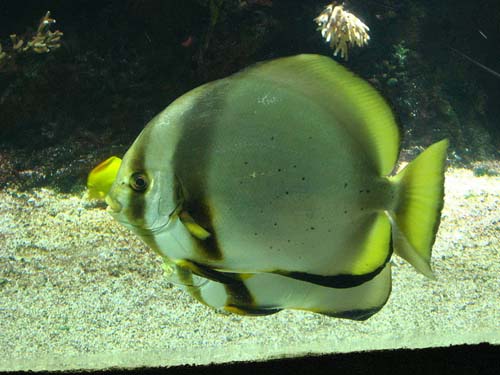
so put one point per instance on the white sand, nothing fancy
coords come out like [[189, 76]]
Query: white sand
[[78, 291]]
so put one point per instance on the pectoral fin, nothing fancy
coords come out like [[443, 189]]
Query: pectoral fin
[[206, 244], [195, 229]]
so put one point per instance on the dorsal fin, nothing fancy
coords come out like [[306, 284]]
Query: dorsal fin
[[354, 102]]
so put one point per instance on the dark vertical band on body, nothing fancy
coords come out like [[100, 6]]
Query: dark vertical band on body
[[192, 158]]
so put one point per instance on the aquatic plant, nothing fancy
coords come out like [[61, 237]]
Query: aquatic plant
[[43, 41], [342, 28]]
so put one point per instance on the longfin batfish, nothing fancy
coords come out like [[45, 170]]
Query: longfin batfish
[[285, 170]]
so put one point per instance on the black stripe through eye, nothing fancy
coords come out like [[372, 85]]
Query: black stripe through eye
[[139, 182]]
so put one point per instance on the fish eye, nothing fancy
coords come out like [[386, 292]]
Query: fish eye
[[139, 182]]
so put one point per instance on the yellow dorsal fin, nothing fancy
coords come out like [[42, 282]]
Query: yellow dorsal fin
[[353, 102]]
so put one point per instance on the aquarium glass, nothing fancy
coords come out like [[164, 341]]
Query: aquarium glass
[[232, 169]]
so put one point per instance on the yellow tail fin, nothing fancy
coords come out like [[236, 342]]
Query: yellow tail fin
[[416, 217]]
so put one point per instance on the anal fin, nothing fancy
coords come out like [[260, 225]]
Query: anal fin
[[265, 293]]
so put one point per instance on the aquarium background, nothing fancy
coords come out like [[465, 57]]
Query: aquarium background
[[79, 291]]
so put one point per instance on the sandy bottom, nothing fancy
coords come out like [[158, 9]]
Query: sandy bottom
[[79, 291]]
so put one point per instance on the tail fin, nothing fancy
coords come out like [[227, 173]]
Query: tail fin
[[416, 216]]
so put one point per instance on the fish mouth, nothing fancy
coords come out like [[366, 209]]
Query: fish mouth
[[115, 209], [114, 206]]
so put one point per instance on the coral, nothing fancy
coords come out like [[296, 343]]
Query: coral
[[43, 41], [341, 28]]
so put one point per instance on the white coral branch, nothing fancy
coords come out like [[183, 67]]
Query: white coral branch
[[341, 28]]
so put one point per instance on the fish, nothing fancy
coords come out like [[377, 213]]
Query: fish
[[279, 181], [101, 178]]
